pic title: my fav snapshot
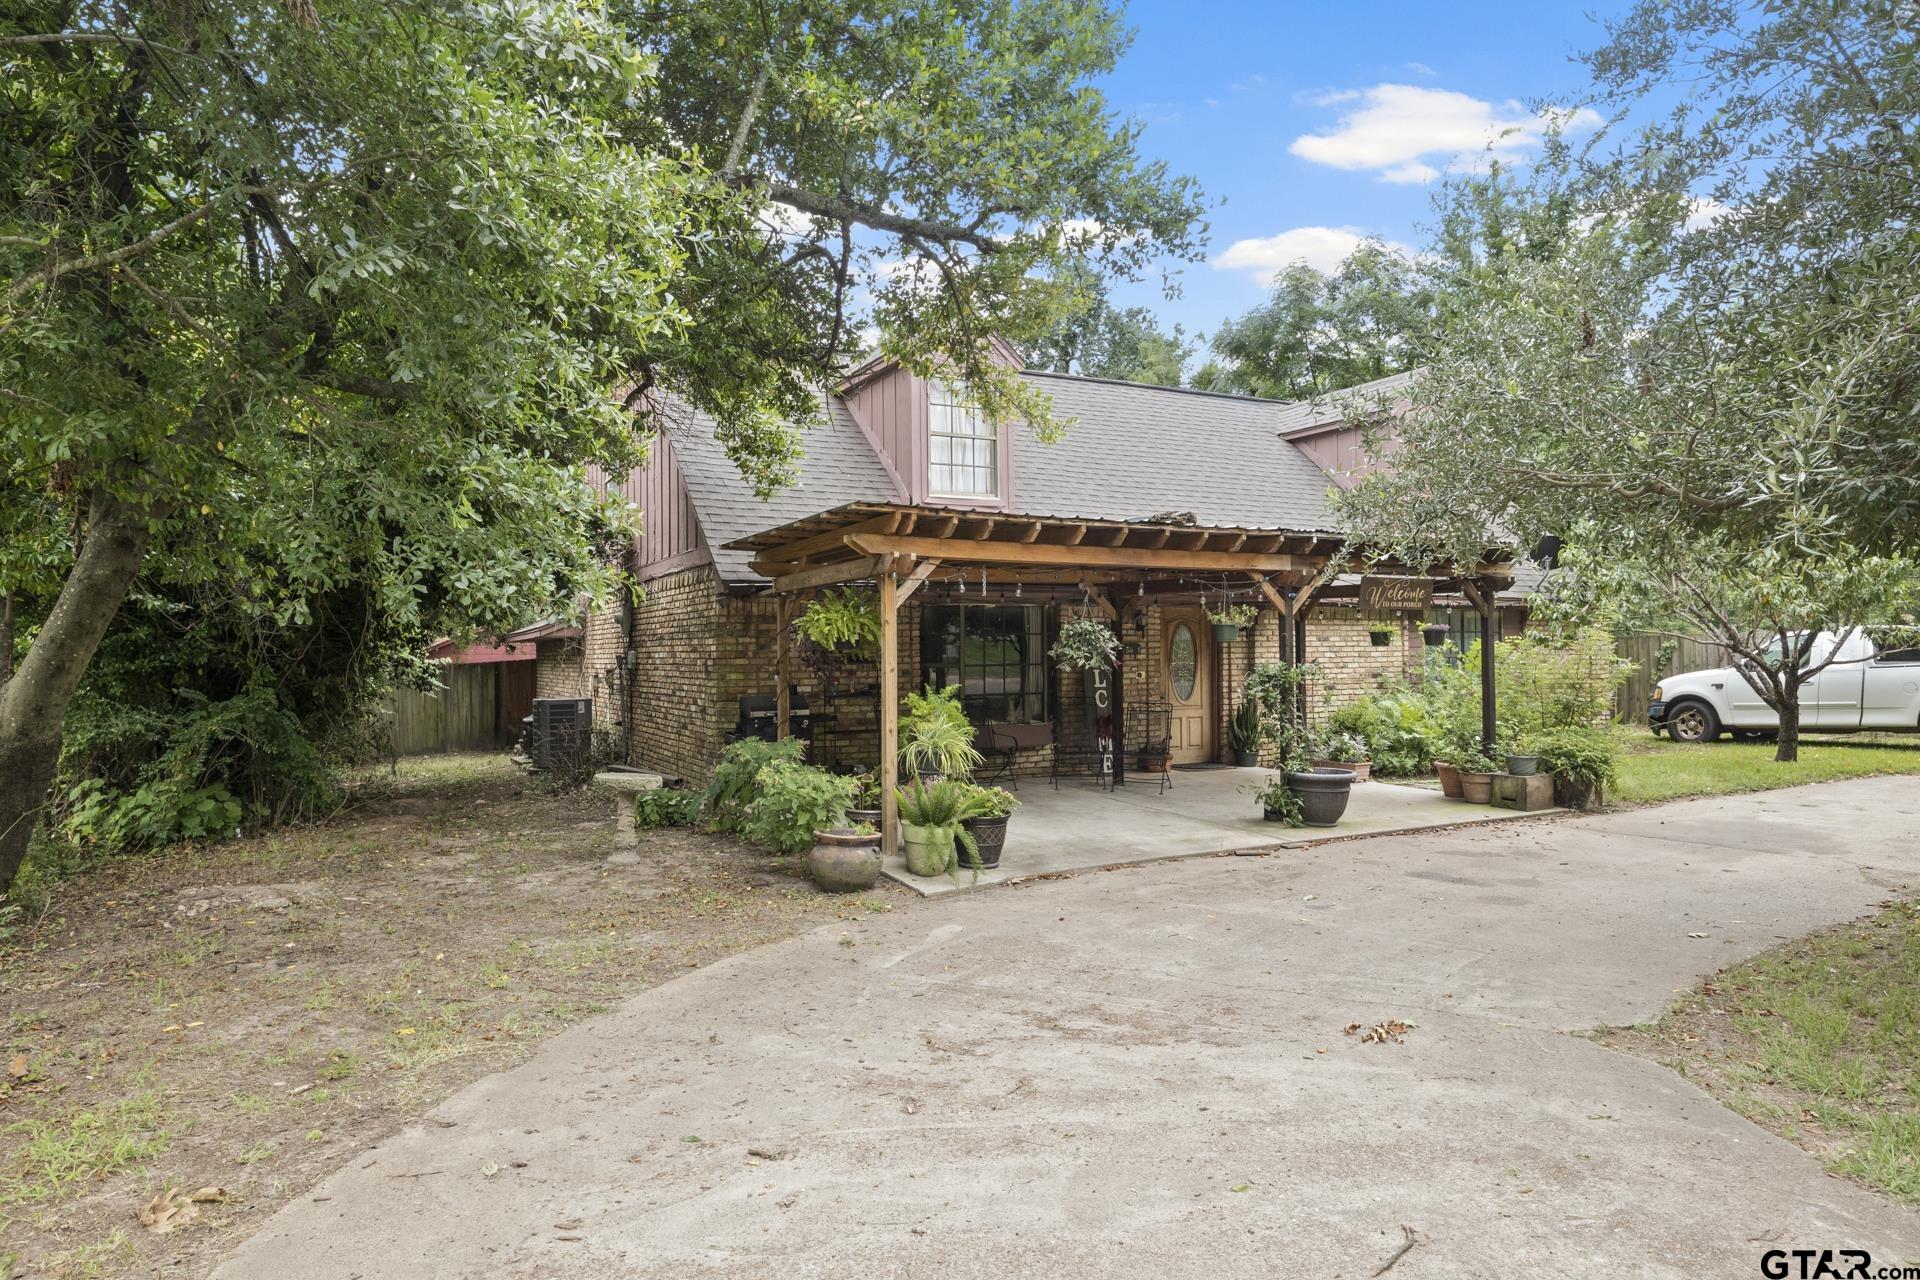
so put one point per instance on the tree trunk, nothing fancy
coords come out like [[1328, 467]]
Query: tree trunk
[[33, 703], [1788, 748]]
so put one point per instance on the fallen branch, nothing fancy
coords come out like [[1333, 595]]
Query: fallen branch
[[1401, 1252]]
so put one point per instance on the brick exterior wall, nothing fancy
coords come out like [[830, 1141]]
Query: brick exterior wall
[[699, 647]]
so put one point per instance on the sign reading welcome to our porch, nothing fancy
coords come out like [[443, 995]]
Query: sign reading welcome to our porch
[[1383, 594]]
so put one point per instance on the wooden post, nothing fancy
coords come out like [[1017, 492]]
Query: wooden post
[[889, 714], [1480, 596], [1489, 635], [783, 670]]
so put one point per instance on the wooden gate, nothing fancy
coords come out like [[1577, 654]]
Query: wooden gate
[[479, 708]]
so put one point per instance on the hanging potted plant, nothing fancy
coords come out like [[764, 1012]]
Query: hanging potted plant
[[1243, 734], [1381, 636], [1435, 633], [1228, 620], [1085, 644]]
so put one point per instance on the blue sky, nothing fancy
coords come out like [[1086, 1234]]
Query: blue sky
[[1318, 121]]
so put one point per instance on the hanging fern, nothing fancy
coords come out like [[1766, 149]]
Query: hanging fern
[[845, 622]]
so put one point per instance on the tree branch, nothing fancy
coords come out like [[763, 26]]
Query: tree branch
[[53, 271], [823, 205]]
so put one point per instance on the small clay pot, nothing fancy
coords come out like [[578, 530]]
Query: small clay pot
[[1476, 788], [1360, 769], [1449, 779]]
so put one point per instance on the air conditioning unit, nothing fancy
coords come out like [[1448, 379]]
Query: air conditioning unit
[[560, 733]]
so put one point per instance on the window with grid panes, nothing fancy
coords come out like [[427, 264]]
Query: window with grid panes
[[963, 448], [996, 655]]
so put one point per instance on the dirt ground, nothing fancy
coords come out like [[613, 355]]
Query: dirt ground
[[245, 1016]]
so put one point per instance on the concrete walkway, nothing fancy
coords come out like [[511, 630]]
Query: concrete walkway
[[1079, 826], [1143, 1074]]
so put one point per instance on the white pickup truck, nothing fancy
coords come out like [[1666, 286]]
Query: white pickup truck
[[1865, 688]]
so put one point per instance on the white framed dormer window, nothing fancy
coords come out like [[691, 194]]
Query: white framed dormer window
[[963, 448]]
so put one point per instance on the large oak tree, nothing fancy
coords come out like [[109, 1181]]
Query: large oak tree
[[331, 288]]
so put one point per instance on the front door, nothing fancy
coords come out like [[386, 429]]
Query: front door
[[1187, 649]]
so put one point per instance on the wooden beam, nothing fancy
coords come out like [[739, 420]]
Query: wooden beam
[[1032, 532], [1482, 604], [1267, 589], [889, 716], [1100, 598], [1083, 557], [794, 553], [913, 581], [828, 575]]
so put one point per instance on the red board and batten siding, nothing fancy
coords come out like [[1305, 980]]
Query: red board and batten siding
[[891, 410], [669, 528]]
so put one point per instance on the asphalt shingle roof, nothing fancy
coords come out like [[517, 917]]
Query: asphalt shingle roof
[[839, 466], [1136, 451], [1133, 451]]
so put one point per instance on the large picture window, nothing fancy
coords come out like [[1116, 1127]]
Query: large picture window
[[963, 449], [996, 655]]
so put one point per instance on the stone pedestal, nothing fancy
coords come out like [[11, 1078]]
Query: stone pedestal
[[1523, 792]]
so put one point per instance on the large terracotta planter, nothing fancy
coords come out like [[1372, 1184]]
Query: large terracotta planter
[[1449, 779], [1476, 788], [1360, 769], [928, 850], [1323, 794], [844, 861]]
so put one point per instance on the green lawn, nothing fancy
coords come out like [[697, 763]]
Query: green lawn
[[1654, 769], [1818, 1040]]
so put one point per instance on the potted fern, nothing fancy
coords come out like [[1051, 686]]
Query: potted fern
[[1229, 619], [1243, 734], [930, 830]]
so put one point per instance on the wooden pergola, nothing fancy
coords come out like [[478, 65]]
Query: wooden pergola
[[902, 549]]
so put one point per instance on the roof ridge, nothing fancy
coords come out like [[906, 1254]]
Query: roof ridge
[[1159, 386]]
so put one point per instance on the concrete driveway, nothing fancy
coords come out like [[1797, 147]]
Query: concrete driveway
[[1142, 1073]]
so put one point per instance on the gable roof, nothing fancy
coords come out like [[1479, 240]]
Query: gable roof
[[839, 466], [1135, 451]]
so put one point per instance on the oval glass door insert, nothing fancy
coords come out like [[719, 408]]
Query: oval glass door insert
[[1183, 662]]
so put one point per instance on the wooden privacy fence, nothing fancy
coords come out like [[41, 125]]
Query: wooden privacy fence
[[478, 709], [1654, 658]]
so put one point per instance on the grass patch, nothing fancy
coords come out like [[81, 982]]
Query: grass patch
[[1819, 1041], [1654, 769], [62, 1153]]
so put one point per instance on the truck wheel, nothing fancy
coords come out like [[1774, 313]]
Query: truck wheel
[[1692, 721]]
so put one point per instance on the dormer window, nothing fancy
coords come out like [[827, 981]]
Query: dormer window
[[963, 448]]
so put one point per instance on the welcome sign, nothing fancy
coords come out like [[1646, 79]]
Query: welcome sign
[[1383, 594]]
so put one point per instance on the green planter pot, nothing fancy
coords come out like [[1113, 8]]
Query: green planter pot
[[1225, 632], [928, 850]]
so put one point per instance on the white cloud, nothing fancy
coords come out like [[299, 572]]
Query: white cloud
[[1422, 69], [784, 220], [1322, 248], [1397, 128], [1704, 211]]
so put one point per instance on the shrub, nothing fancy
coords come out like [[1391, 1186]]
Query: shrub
[[159, 812], [794, 800], [665, 807], [1243, 731], [732, 788], [1583, 755]]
